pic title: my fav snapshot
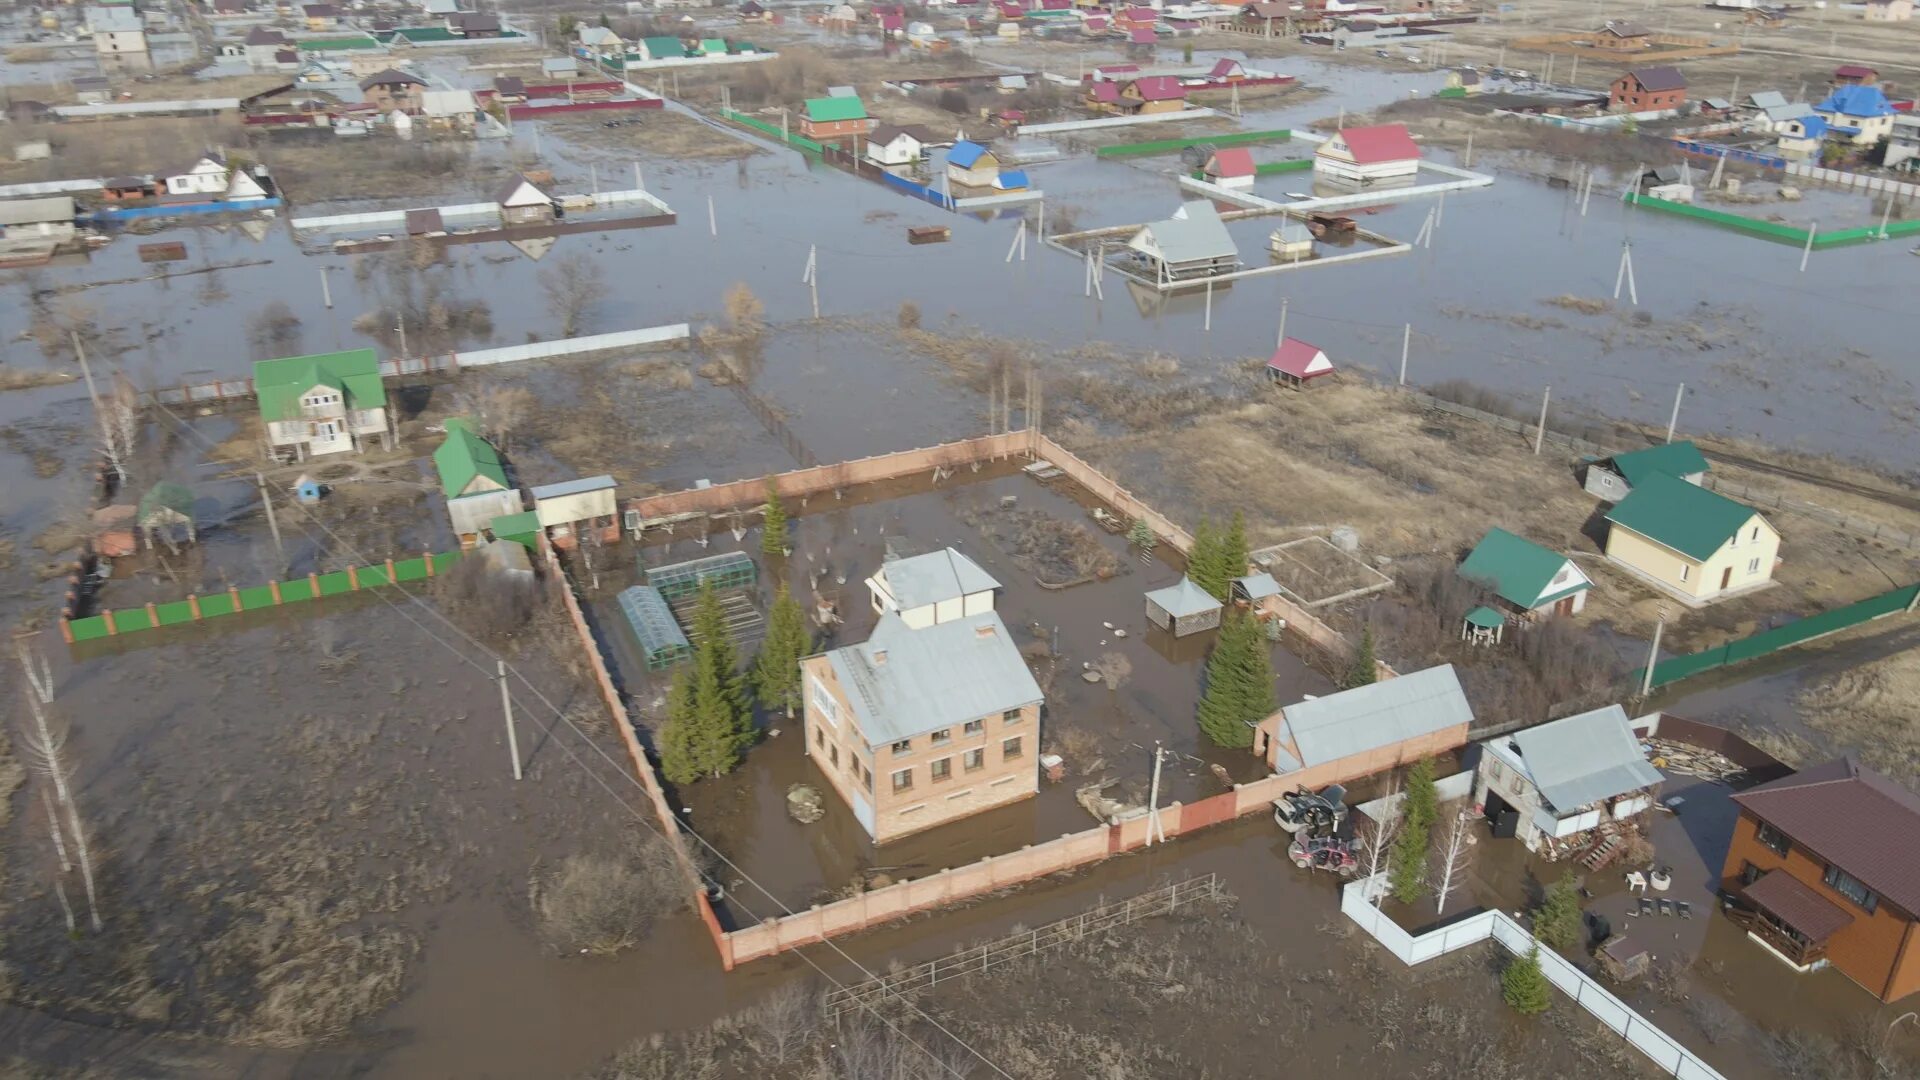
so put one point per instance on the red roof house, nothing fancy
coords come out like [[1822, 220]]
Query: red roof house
[[1232, 167], [1104, 94], [1143, 35], [1227, 69], [1368, 153], [1296, 361], [1855, 75], [1155, 94]]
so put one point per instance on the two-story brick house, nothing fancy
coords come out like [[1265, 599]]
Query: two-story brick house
[[842, 121], [924, 724], [1824, 870], [1648, 89]]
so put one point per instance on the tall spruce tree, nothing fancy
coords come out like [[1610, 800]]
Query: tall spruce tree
[[1524, 985], [1365, 668], [773, 532], [708, 722], [1233, 554], [1239, 690], [1557, 920], [776, 672], [1407, 863], [1205, 564]]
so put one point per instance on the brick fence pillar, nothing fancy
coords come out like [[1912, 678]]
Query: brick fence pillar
[[112, 628], [353, 578], [193, 605], [275, 586], [429, 561], [233, 593]]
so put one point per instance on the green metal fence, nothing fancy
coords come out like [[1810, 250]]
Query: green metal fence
[[1163, 146], [797, 141], [1781, 637], [1269, 168], [1773, 230], [254, 598]]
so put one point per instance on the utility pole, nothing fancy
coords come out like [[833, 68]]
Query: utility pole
[[273, 524], [1406, 345], [1653, 655], [1281, 338], [812, 278], [713, 223], [1540, 434], [400, 325], [1674, 420], [1153, 802], [1208, 327], [326, 292], [1468, 162], [506, 708], [107, 441], [1807, 252]]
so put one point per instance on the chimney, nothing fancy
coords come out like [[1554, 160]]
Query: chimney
[[879, 658], [984, 630]]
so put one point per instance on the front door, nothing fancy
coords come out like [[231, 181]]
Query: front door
[[1563, 606], [1726, 577]]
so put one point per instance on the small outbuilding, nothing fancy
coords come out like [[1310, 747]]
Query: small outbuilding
[[523, 202], [474, 481], [1295, 362], [1192, 244], [165, 510], [589, 504], [970, 164], [1232, 167], [1612, 478], [1553, 784], [1361, 731], [1183, 608], [1533, 579]]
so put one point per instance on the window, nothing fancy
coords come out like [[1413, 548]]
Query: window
[[939, 770], [819, 736], [1010, 748], [1850, 887], [1756, 532], [904, 746], [823, 702], [942, 737], [1685, 571], [833, 753], [973, 759], [1753, 566], [1749, 873], [1011, 716], [903, 780], [1771, 838], [975, 727], [866, 777]]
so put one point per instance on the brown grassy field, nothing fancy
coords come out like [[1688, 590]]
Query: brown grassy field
[[659, 133], [113, 148], [312, 170]]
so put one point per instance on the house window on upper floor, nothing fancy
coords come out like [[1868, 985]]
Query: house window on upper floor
[[942, 737], [973, 759], [1685, 571], [1749, 873], [975, 727], [1010, 749], [823, 702], [904, 746], [1756, 533], [833, 753], [1753, 566], [1852, 888], [1771, 838], [319, 401], [1011, 716], [903, 780], [939, 770]]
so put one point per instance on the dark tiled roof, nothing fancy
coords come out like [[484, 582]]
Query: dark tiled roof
[[391, 77], [1655, 79], [1798, 905], [1852, 817]]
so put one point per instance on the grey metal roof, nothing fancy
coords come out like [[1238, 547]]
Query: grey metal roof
[[573, 487], [1184, 598], [1794, 110], [904, 682], [35, 211], [1766, 99], [1258, 586], [842, 91], [1585, 758], [1376, 715], [938, 575], [1195, 232]]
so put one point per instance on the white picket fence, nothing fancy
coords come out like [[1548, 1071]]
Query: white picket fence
[[540, 350], [1664, 1049]]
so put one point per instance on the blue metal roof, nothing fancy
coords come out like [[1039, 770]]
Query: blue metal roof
[[965, 153], [1856, 101], [1011, 179]]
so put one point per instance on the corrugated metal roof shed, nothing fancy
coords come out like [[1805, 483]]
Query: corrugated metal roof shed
[[904, 682], [36, 211], [1675, 459], [938, 575], [1257, 586], [573, 487], [1586, 758], [1378, 714], [1183, 598]]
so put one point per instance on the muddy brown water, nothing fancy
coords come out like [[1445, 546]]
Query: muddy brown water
[[1728, 316]]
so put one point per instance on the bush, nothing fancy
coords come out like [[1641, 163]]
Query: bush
[[602, 904], [909, 317], [486, 603]]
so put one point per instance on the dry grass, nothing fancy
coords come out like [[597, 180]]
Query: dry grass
[[1057, 552], [661, 133], [1870, 707], [449, 171], [113, 148], [602, 904]]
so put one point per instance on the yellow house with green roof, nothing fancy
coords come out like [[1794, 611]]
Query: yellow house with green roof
[[1690, 543], [327, 403]]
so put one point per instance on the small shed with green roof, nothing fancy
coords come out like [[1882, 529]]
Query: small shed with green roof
[[322, 404], [1692, 543], [1612, 478], [474, 481], [1530, 577], [1483, 626], [660, 48]]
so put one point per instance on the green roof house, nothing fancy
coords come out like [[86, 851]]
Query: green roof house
[[713, 46], [327, 403], [474, 480], [1530, 577], [661, 48], [1611, 478], [1690, 543], [840, 120]]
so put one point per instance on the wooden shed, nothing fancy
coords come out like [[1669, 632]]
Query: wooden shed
[[1183, 608], [588, 503]]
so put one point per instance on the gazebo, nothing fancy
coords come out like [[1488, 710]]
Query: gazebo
[[1183, 608], [1483, 626], [165, 505]]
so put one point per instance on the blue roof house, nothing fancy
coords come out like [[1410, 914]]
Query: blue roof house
[[972, 165], [1011, 180], [1858, 115]]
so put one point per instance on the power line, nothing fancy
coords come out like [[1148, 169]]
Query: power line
[[622, 770]]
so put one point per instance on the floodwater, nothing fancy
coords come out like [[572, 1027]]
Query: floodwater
[[1809, 360]]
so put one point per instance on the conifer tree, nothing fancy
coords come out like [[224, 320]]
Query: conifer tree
[[708, 722], [776, 673], [1524, 985], [1239, 690], [773, 533], [1205, 564], [1233, 554], [1557, 920], [1365, 668], [1407, 864]]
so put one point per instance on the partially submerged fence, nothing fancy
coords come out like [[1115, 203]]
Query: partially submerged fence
[[1499, 927], [1165, 146], [236, 600], [980, 958], [1798, 632], [798, 142], [1771, 230]]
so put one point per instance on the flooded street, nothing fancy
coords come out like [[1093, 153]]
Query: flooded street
[[232, 766]]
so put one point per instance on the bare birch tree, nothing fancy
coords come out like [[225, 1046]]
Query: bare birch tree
[[1376, 846], [45, 748], [60, 849], [1454, 855], [573, 286]]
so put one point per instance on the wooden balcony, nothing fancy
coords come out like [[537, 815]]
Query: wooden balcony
[[1779, 938]]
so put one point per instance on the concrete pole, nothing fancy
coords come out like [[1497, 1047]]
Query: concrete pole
[[637, 185], [1886, 215], [1468, 161], [713, 223], [1281, 338], [1674, 420], [326, 292], [1406, 345], [273, 524], [1540, 434], [1807, 252], [506, 708], [1153, 801], [1653, 655]]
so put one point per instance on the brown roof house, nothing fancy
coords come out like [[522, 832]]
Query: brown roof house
[[1824, 871], [1649, 89], [391, 89], [523, 202]]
